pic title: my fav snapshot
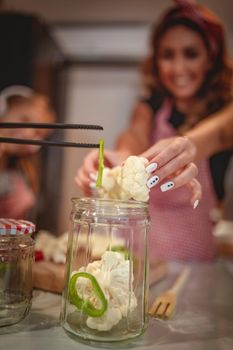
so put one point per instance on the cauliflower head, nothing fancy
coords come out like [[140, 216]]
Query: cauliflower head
[[128, 181]]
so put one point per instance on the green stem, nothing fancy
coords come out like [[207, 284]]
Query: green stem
[[101, 163]]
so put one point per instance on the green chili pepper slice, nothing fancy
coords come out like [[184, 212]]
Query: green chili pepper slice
[[101, 163], [85, 305]]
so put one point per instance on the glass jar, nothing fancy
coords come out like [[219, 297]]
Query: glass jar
[[16, 257], [106, 293]]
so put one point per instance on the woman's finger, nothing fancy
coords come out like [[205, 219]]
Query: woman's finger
[[174, 166], [156, 149], [180, 146], [196, 190], [82, 176], [90, 163], [93, 176], [83, 181], [185, 177]]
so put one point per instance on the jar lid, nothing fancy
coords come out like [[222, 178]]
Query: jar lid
[[16, 227]]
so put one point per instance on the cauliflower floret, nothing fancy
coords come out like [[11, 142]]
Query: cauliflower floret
[[111, 260], [104, 323], [110, 187], [54, 248], [113, 274], [126, 182], [134, 178], [109, 180], [118, 299]]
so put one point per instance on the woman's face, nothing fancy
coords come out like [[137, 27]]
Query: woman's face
[[182, 62]]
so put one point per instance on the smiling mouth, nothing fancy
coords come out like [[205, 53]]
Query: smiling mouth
[[182, 82]]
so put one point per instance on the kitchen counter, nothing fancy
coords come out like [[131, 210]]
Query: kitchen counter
[[203, 319]]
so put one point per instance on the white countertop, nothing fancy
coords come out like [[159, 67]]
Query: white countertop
[[203, 319]]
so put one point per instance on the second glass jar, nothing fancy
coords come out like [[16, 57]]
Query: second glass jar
[[16, 259]]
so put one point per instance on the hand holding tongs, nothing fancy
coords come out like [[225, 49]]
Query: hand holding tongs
[[48, 126]]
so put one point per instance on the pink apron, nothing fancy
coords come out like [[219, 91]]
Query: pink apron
[[179, 232]]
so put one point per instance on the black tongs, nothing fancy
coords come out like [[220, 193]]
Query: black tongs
[[48, 126]]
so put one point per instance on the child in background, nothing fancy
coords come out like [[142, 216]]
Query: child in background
[[19, 164]]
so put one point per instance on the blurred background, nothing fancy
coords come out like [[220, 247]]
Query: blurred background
[[85, 55]]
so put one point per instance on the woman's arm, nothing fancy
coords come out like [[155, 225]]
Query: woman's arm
[[214, 134], [173, 156]]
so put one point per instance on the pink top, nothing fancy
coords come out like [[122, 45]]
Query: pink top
[[179, 232]]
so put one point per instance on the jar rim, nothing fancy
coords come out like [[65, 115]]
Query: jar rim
[[104, 202]]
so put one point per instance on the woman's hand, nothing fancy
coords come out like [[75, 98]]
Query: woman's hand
[[171, 163], [88, 170]]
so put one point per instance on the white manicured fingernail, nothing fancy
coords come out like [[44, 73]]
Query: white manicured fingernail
[[93, 176], [151, 167], [152, 181], [195, 204], [167, 186], [92, 185]]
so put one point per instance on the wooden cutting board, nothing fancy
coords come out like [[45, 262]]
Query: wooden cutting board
[[50, 276]]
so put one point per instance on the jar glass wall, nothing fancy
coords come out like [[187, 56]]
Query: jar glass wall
[[16, 258], [106, 292]]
